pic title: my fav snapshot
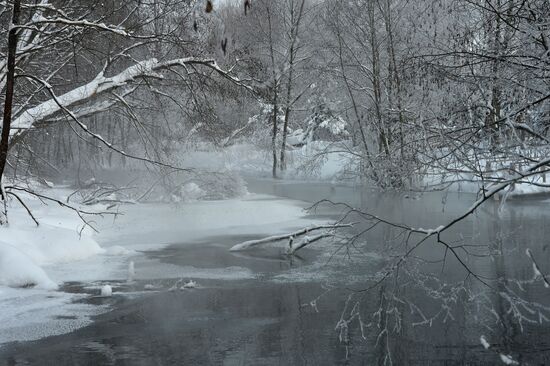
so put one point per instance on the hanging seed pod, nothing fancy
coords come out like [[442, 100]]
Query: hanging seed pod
[[209, 6], [246, 6], [224, 46]]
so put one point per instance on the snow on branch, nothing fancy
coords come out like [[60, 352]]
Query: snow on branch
[[97, 136], [536, 269], [291, 236], [504, 358], [293, 248], [80, 23], [101, 85], [81, 213]]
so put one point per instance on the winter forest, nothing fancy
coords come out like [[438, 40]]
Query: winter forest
[[274, 182]]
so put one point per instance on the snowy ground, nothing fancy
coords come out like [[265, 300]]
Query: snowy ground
[[35, 262]]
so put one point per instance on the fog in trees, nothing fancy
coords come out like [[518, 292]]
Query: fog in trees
[[274, 182]]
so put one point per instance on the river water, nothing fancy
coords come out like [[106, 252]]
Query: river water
[[329, 305]]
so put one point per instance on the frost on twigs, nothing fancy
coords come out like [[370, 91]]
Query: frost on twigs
[[350, 314]]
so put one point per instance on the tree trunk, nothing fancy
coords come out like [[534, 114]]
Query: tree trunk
[[275, 96], [295, 20], [394, 96], [495, 113], [383, 143], [274, 136], [354, 104], [285, 123], [8, 104], [395, 79]]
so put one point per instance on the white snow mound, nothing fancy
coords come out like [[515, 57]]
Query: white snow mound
[[117, 250], [106, 291], [19, 270], [50, 244]]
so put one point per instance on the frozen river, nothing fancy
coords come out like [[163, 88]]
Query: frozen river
[[261, 307]]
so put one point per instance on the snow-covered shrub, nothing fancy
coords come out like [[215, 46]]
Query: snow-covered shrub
[[192, 192], [222, 185], [192, 186]]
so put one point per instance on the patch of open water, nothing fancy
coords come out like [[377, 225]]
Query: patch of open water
[[286, 312]]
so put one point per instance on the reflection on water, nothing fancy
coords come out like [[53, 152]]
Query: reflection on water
[[302, 311]]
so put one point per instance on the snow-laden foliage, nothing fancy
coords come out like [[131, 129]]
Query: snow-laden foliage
[[321, 125], [169, 101]]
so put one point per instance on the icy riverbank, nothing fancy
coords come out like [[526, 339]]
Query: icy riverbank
[[59, 251]]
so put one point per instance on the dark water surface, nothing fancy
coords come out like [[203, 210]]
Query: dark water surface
[[288, 313]]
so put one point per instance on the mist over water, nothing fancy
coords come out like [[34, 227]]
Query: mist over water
[[290, 310], [274, 182]]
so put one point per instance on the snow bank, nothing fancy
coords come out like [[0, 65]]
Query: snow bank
[[25, 248], [49, 244], [18, 270], [467, 181], [55, 252]]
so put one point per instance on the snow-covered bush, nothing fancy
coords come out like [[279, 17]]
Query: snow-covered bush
[[191, 186], [222, 185]]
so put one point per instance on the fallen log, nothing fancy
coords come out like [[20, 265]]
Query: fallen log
[[291, 236], [305, 242]]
